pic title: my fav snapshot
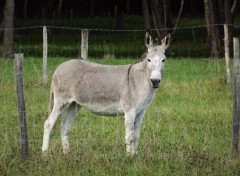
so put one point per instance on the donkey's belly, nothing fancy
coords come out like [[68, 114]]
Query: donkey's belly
[[103, 104], [113, 109], [99, 97]]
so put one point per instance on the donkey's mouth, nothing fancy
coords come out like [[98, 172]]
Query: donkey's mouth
[[155, 83]]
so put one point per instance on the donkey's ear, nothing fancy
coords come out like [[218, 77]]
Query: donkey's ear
[[148, 40], [166, 41]]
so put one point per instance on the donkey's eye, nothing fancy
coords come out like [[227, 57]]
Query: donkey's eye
[[163, 60], [149, 60]]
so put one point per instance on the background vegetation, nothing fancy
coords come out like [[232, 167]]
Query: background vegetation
[[64, 38], [162, 15]]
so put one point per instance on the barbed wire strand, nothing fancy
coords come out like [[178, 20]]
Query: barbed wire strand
[[116, 30]]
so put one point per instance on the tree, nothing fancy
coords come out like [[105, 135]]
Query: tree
[[218, 12], [162, 15], [118, 14], [25, 8], [92, 8], [234, 9], [8, 29], [157, 9], [212, 26], [59, 8], [146, 16], [230, 12], [178, 17]]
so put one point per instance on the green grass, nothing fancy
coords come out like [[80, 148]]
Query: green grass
[[186, 131]]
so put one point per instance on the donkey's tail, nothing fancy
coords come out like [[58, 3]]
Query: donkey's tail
[[51, 100]]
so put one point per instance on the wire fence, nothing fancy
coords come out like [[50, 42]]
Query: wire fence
[[65, 42]]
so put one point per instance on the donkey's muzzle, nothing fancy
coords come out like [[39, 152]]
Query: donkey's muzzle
[[155, 83]]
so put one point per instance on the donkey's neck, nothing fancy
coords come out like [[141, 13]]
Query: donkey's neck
[[140, 75]]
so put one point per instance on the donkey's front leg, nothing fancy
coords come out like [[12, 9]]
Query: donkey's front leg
[[129, 132], [137, 127]]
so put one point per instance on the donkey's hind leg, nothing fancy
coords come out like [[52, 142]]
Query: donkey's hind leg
[[71, 114], [57, 110]]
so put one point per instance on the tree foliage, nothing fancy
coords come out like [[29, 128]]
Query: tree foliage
[[216, 12]]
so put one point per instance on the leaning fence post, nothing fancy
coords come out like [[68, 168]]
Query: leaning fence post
[[18, 67], [226, 48], [45, 57], [84, 44], [236, 98]]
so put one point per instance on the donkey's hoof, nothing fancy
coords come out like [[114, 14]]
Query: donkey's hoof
[[45, 155], [66, 151], [132, 153]]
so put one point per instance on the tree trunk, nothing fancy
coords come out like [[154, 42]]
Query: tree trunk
[[158, 17], [128, 7], [59, 8], [207, 19], [118, 18], [220, 12], [193, 6], [25, 9], [213, 29], [92, 8], [167, 14], [8, 29], [215, 43], [220, 19], [146, 16], [178, 17], [234, 9]]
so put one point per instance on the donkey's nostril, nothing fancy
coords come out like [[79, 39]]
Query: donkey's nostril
[[155, 83]]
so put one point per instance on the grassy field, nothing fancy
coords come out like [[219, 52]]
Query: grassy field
[[186, 130]]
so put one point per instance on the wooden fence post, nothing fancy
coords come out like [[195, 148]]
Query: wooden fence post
[[21, 105], [84, 44], [227, 55], [236, 98], [45, 57]]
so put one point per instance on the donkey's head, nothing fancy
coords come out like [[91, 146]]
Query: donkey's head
[[155, 58]]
